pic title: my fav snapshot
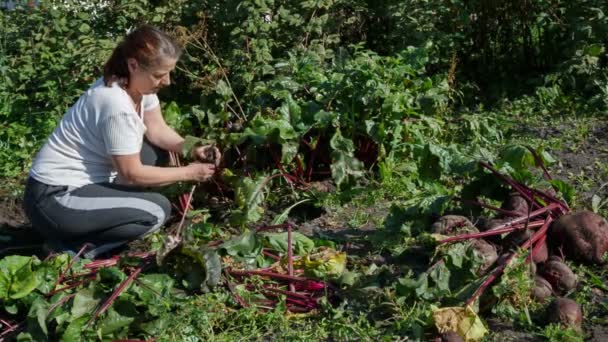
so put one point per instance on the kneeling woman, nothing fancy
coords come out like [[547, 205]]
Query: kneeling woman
[[86, 183]]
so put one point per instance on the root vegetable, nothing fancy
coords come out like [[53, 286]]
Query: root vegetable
[[487, 252], [582, 235], [541, 254], [486, 224], [566, 312], [542, 289], [450, 336], [559, 275], [452, 225], [515, 239], [516, 204], [532, 268]]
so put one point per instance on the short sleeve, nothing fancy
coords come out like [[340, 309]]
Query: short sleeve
[[122, 134], [150, 102]]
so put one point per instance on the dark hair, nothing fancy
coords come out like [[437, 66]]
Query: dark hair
[[147, 45]]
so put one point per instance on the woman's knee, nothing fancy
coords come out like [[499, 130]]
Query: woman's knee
[[165, 206]]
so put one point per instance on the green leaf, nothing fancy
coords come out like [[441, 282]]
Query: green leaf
[[223, 89], [594, 50], [17, 279], [73, 332], [518, 157], [245, 244], [463, 321], [84, 28], [565, 189], [279, 219], [37, 317], [327, 263], [190, 142], [84, 303], [301, 244], [249, 194], [172, 114], [213, 268], [434, 161], [113, 321], [153, 284], [344, 164]]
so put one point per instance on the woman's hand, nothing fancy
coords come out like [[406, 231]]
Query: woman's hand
[[201, 172], [207, 154]]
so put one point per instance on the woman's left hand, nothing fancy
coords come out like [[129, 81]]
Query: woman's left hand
[[208, 154]]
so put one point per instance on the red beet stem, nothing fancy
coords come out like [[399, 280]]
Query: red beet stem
[[6, 324], [116, 293], [13, 329], [276, 276], [503, 228], [525, 193], [70, 264], [186, 208], [500, 268], [78, 283], [235, 295], [288, 293], [491, 207], [270, 255], [290, 257], [60, 302], [297, 309], [271, 227], [540, 163], [536, 247]]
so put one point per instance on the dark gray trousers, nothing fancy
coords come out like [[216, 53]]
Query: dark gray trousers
[[104, 216]]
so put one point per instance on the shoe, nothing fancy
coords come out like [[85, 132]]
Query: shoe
[[96, 250], [52, 246]]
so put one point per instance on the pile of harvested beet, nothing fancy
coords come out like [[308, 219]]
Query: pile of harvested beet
[[538, 223]]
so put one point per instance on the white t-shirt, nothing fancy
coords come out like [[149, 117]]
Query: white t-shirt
[[103, 122]]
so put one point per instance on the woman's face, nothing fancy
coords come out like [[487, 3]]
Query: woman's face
[[150, 80]]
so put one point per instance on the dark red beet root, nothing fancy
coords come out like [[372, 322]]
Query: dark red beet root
[[559, 275], [517, 204], [582, 236], [541, 254], [565, 312], [487, 252], [453, 225], [542, 289], [450, 336], [517, 238], [485, 224]]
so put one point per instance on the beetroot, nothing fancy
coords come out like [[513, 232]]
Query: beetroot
[[542, 289], [559, 275], [487, 252], [516, 238], [485, 224], [452, 225], [582, 235], [516, 204], [450, 336], [541, 254], [565, 312]]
